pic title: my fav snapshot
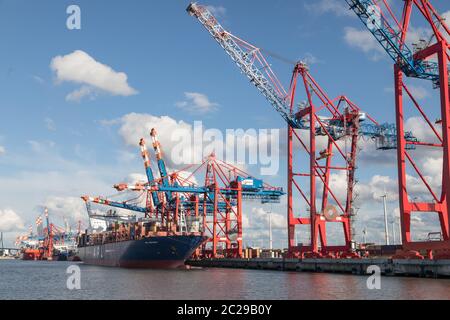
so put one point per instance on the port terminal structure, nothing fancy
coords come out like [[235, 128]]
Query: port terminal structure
[[176, 201], [426, 61], [436, 268], [341, 123], [338, 121]]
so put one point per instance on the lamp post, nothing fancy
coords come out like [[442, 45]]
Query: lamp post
[[386, 229], [270, 232], [364, 235], [393, 230]]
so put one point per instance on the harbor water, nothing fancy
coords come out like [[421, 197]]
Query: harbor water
[[48, 280]]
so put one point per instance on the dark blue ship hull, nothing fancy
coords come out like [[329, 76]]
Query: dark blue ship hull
[[155, 252]]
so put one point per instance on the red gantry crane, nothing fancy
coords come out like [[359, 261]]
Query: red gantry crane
[[48, 238], [426, 61], [47, 243], [338, 121]]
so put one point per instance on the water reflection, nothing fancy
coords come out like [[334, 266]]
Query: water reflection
[[27, 280]]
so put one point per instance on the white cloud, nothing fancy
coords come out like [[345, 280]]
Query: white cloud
[[259, 219], [388, 158], [57, 182], [329, 6], [71, 208], [195, 102], [426, 33], [369, 154], [422, 130], [41, 146], [79, 94], [310, 59], [446, 17], [10, 221], [363, 40], [187, 178], [125, 156], [429, 161], [2, 150], [134, 178], [418, 92], [218, 11], [415, 34], [79, 67], [377, 187], [389, 90], [183, 143], [255, 225], [134, 126], [433, 167], [38, 79], [109, 122]]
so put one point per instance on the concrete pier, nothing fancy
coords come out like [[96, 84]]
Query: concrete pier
[[388, 267]]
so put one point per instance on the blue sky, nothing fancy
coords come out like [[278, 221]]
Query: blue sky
[[60, 148]]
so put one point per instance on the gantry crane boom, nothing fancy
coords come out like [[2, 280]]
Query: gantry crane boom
[[161, 164], [114, 204], [252, 63], [392, 39], [148, 170], [130, 207], [265, 195]]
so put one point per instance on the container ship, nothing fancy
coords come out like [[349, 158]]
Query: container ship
[[179, 215], [138, 245]]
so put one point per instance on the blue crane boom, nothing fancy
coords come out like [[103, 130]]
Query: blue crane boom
[[265, 195], [385, 135], [262, 193], [114, 204], [161, 164], [135, 208], [148, 170], [392, 41], [253, 64]]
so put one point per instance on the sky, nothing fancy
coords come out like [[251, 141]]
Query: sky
[[75, 102]]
